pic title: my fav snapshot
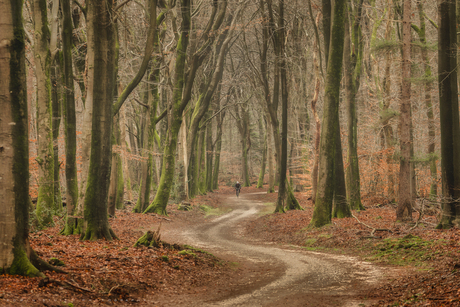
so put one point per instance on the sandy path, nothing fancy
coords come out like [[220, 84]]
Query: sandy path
[[279, 276]]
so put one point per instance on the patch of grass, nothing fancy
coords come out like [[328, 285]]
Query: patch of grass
[[209, 211], [268, 208], [164, 258], [233, 265], [191, 248], [410, 250], [186, 252]]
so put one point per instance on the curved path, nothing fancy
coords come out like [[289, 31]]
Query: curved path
[[282, 276]]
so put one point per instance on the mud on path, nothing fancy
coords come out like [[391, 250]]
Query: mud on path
[[268, 274]]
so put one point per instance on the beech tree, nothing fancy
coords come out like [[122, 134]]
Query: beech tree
[[16, 255], [404, 211], [322, 213], [70, 124], [167, 173], [42, 56], [449, 115], [101, 80]]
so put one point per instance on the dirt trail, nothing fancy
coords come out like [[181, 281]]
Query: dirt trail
[[276, 275]]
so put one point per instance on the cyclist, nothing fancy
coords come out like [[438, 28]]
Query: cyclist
[[237, 188]]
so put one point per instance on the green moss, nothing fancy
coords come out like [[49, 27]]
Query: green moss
[[410, 250], [56, 262], [22, 266], [187, 253]]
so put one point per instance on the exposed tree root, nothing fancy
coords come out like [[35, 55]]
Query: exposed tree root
[[42, 265], [45, 281]]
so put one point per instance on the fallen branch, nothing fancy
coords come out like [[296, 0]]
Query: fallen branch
[[373, 229], [48, 280]]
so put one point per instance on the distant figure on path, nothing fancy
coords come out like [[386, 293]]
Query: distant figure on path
[[237, 188]]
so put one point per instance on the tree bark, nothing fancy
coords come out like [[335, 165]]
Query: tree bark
[[14, 145], [101, 80], [353, 54], [404, 210], [70, 124], [260, 182], [167, 173], [449, 114], [45, 157], [282, 188], [325, 191]]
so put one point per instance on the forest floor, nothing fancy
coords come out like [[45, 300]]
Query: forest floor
[[425, 263]]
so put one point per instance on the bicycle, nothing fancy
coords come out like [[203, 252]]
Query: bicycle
[[238, 192]]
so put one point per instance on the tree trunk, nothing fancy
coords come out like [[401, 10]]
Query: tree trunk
[[428, 104], [101, 80], [218, 143], [449, 115], [404, 210], [260, 182], [341, 207], [45, 157], [209, 153], [282, 191], [167, 173], [325, 191], [70, 124], [14, 144], [352, 69], [271, 166]]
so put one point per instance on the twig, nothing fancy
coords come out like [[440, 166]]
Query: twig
[[48, 280], [113, 288], [373, 229]]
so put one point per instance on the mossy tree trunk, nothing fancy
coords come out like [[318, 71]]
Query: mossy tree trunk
[[325, 190], [209, 153], [101, 80], [449, 115], [56, 100], [14, 173], [404, 210], [151, 99], [428, 101], [114, 170], [353, 55], [45, 157], [314, 100], [207, 89], [242, 123], [341, 207], [263, 166], [167, 173], [70, 124], [218, 143], [386, 114]]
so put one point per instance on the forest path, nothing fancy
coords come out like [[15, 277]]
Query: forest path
[[275, 275]]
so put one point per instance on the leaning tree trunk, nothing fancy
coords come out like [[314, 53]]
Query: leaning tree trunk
[[45, 157], [169, 156], [325, 190], [404, 210], [70, 125], [101, 80]]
